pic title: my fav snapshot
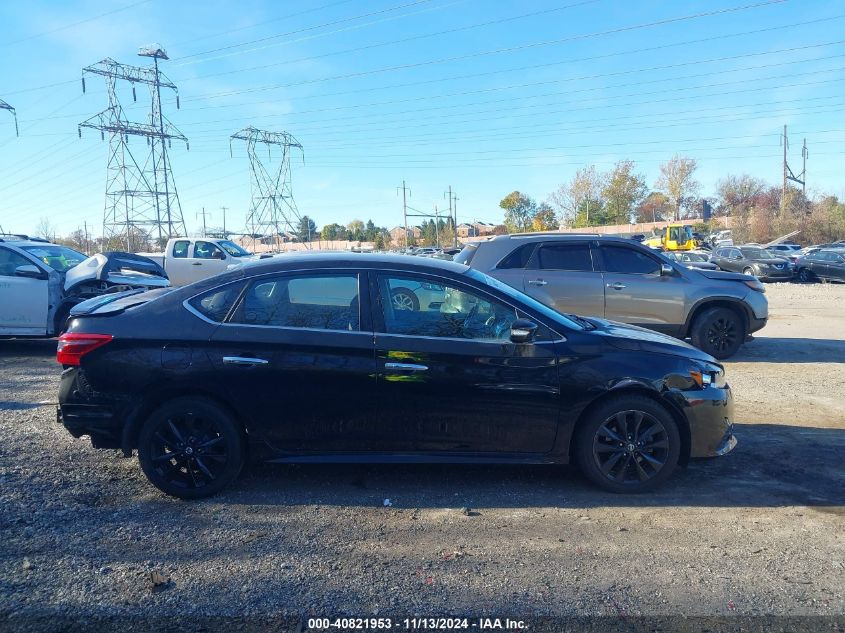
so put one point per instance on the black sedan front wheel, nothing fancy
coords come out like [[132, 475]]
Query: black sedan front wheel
[[628, 444], [190, 448]]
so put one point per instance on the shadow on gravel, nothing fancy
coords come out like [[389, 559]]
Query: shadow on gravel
[[791, 350], [772, 466], [10, 348]]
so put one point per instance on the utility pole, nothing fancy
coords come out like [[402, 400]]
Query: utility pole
[[405, 193], [225, 234], [203, 214], [6, 106], [453, 213], [140, 194], [788, 174], [87, 247]]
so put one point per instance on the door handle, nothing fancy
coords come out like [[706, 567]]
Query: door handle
[[405, 367], [244, 361], [616, 285], [197, 264], [537, 282]]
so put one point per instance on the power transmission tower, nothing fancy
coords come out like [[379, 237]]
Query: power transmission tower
[[272, 208], [788, 174], [6, 106], [141, 197]]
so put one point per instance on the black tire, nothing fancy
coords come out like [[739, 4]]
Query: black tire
[[404, 299], [805, 275], [191, 448], [718, 331], [640, 464], [749, 271]]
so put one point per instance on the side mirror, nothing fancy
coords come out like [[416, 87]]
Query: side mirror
[[29, 270], [523, 331], [666, 270]]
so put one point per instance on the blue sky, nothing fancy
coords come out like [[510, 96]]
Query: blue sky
[[486, 96]]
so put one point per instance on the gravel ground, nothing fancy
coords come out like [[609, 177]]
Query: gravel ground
[[756, 533]]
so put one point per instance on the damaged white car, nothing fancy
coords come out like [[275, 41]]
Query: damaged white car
[[40, 282]]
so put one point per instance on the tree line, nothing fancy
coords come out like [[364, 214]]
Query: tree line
[[759, 211]]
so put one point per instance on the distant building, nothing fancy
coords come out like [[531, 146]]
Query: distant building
[[484, 228], [467, 230], [399, 237]]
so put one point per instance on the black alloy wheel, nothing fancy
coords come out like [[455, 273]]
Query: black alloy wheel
[[630, 444], [718, 331], [190, 448]]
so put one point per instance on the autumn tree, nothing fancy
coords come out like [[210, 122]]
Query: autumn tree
[[623, 191], [677, 180], [544, 218], [334, 231], [579, 194], [654, 208], [519, 211]]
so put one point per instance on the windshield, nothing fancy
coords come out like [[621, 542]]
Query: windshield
[[756, 253], [532, 303], [694, 257], [59, 258], [233, 249]]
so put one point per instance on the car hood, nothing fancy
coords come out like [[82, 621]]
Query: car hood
[[118, 269], [699, 265], [639, 339], [723, 274]]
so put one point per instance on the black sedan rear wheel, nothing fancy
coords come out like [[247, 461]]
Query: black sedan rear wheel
[[628, 444], [190, 448], [718, 331]]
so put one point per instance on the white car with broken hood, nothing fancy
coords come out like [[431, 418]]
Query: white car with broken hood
[[40, 282]]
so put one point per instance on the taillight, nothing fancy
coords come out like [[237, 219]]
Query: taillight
[[74, 345]]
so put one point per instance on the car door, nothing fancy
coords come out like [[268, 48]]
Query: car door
[[836, 267], [24, 300], [637, 292], [562, 275], [207, 260], [177, 263], [451, 381], [298, 357]]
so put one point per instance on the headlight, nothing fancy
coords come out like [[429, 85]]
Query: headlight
[[707, 374]]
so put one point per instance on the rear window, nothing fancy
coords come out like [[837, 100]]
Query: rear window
[[216, 304]]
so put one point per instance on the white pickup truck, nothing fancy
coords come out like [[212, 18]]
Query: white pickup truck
[[189, 259]]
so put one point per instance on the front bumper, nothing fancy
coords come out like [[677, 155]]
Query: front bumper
[[710, 413]]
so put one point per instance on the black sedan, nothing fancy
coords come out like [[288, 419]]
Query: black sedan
[[307, 358], [753, 260], [826, 264]]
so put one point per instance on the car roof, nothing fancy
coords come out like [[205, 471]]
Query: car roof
[[329, 259], [20, 242], [546, 235]]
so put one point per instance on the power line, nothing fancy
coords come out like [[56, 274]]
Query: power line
[[74, 24], [509, 49]]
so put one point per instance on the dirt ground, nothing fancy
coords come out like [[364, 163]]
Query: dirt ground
[[756, 533]]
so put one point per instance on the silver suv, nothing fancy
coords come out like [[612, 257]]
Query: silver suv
[[618, 279]]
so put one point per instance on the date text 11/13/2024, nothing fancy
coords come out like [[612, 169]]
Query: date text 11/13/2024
[[413, 624]]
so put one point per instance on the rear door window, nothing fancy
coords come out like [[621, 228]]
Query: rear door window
[[216, 304], [180, 249], [574, 257], [618, 259], [323, 302]]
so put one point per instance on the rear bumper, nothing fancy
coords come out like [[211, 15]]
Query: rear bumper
[[97, 421]]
